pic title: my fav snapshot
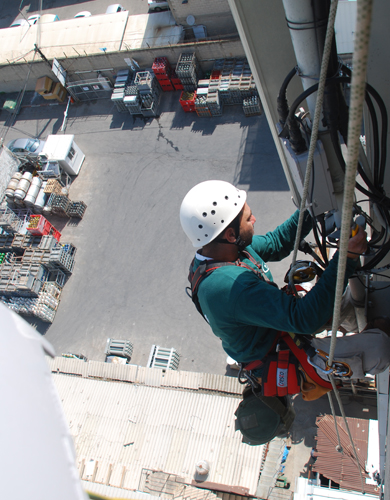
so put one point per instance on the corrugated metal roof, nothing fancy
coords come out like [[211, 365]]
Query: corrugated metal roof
[[120, 429], [154, 377], [342, 468], [109, 491]]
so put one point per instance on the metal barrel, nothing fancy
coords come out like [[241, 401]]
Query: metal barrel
[[33, 191], [23, 186], [41, 199], [13, 184]]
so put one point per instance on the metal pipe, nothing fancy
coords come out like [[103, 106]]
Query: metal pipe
[[308, 36]]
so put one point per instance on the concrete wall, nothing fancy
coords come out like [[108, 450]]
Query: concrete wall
[[214, 14], [13, 76]]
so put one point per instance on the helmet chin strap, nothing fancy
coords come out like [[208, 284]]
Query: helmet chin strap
[[241, 244]]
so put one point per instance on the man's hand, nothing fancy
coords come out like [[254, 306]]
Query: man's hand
[[357, 244]]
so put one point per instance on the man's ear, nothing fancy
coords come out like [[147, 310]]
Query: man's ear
[[230, 235]]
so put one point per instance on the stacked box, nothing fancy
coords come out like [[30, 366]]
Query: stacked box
[[59, 204], [149, 92], [39, 226], [201, 106], [176, 82], [162, 70], [76, 209], [123, 78], [62, 258], [53, 186], [132, 100], [187, 69], [252, 106], [234, 81], [9, 221], [187, 101]]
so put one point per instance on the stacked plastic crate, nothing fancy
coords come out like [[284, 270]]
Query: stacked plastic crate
[[62, 206], [149, 91], [123, 78], [62, 257], [76, 209], [132, 100], [187, 101], [162, 71], [231, 82], [187, 69], [40, 226], [59, 204], [251, 106]]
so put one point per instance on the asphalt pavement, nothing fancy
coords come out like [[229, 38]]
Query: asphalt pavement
[[132, 256]]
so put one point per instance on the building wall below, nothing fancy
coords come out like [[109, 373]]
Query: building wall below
[[13, 76], [214, 14]]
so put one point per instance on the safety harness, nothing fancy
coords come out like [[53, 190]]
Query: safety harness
[[289, 363]]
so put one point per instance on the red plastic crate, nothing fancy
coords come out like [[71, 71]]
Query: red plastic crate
[[175, 79], [42, 228], [167, 87], [215, 75], [178, 86], [185, 100], [188, 108], [164, 81], [162, 77], [56, 234], [161, 65]]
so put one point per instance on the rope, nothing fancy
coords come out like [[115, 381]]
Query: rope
[[340, 403], [358, 87], [316, 122], [339, 448]]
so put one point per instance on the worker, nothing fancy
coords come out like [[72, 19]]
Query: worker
[[242, 304]]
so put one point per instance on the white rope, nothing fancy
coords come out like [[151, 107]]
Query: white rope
[[358, 88], [340, 403], [316, 122]]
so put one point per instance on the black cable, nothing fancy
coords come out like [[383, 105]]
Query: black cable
[[306, 93], [282, 104], [375, 134]]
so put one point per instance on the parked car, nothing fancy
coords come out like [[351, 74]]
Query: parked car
[[157, 5], [19, 22], [26, 146], [33, 19], [84, 13], [49, 18], [113, 8]]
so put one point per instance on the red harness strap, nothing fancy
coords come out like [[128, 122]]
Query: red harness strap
[[280, 372], [301, 356]]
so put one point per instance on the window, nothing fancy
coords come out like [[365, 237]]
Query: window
[[71, 154]]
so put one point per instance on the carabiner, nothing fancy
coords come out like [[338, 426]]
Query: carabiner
[[338, 368]]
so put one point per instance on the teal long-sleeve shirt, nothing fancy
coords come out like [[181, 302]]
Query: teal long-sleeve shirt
[[246, 312]]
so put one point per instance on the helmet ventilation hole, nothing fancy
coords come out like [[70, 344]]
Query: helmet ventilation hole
[[200, 226], [222, 221], [212, 212], [214, 203], [204, 214], [226, 197]]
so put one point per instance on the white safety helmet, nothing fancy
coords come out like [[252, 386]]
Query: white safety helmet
[[208, 208]]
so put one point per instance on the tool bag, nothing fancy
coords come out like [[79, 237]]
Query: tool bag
[[260, 418]]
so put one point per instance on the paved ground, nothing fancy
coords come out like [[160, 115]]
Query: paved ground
[[132, 258]]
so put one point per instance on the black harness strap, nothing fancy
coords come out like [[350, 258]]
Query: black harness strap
[[205, 269]]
